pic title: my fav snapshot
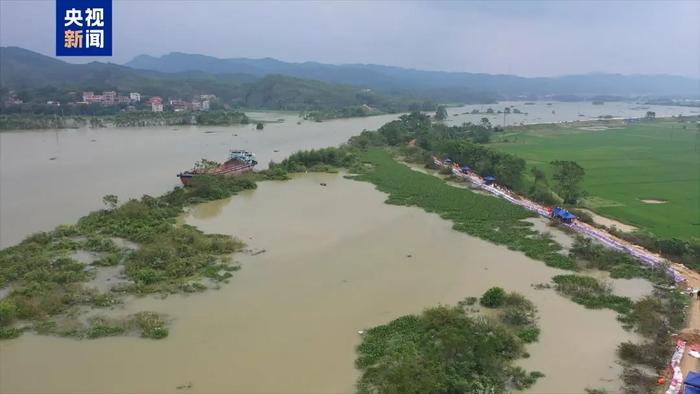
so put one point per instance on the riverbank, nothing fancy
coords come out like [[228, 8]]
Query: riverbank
[[122, 119], [147, 119]]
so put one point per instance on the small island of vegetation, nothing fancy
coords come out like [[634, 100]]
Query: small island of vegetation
[[451, 349]]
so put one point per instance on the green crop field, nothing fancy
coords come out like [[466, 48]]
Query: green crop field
[[624, 165]]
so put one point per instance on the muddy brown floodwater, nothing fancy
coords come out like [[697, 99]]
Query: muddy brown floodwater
[[52, 177], [336, 262]]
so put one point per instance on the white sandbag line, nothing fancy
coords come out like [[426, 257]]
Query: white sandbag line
[[602, 236], [677, 379]]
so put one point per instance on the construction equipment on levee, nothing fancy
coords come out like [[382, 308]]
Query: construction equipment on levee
[[566, 218]]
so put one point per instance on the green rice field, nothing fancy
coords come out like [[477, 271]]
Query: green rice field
[[625, 165]]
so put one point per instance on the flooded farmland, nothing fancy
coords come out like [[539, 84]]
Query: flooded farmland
[[336, 261], [556, 111]]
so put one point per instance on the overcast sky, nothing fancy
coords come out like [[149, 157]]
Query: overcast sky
[[526, 38]]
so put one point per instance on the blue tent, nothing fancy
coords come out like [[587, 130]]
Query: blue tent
[[692, 380], [489, 179], [466, 169], [691, 390], [563, 214]]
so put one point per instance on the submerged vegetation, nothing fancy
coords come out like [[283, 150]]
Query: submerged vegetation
[[446, 350], [50, 283], [591, 293], [483, 216], [654, 317], [514, 311], [592, 255]]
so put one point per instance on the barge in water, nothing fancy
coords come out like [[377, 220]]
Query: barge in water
[[239, 161]]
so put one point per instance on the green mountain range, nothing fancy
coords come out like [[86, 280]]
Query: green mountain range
[[273, 84], [444, 86], [38, 78]]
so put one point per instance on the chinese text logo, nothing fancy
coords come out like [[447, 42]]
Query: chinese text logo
[[83, 27]]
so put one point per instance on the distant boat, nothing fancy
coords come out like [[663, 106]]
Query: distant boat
[[598, 102], [239, 161]]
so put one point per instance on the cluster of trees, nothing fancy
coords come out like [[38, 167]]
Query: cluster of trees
[[441, 113], [316, 158], [141, 118], [508, 169], [464, 145]]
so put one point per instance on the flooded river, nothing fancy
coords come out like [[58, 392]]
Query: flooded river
[[336, 261], [556, 111], [52, 177]]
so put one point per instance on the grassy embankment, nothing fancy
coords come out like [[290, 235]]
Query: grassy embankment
[[483, 216], [50, 285], [624, 165], [451, 349]]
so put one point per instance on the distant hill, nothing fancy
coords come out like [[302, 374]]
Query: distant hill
[[21, 69], [434, 84], [46, 78]]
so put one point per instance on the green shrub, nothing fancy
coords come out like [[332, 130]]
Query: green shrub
[[529, 334], [8, 311], [99, 244], [108, 260], [591, 293], [493, 297], [151, 325], [100, 327], [522, 380], [9, 332]]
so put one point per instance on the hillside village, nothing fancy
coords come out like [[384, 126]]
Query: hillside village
[[134, 101]]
